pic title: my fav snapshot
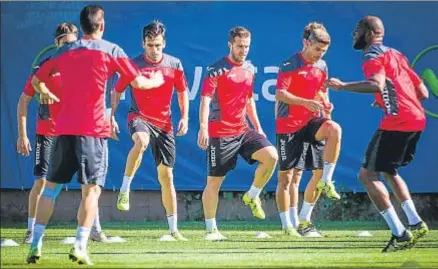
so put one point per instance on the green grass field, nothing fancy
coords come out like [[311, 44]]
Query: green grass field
[[340, 248]]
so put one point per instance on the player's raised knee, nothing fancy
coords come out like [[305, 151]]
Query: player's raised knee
[[334, 129], [270, 155]]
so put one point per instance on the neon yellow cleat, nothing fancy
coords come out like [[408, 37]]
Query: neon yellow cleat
[[214, 235], [292, 232], [419, 230], [178, 236], [123, 201], [328, 188], [255, 205], [307, 229], [79, 257], [34, 255]]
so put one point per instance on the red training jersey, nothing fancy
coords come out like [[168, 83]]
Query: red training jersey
[[230, 85], [86, 66], [302, 79], [153, 105], [403, 111]]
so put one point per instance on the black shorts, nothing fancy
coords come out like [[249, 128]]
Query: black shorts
[[389, 150], [43, 145], [83, 154], [162, 143], [222, 152], [300, 150]]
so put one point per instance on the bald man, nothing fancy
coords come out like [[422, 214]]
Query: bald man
[[398, 91]]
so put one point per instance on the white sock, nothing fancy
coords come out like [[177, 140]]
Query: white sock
[[38, 234], [327, 172], [410, 211], [254, 192], [126, 185], [210, 224], [30, 223], [285, 220], [96, 223], [306, 211], [172, 221], [82, 235], [293, 214], [393, 221]]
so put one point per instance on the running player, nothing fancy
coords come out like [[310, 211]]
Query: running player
[[82, 124], [149, 120], [226, 100], [398, 91], [301, 130]]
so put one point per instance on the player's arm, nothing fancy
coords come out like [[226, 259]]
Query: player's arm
[[155, 80], [322, 96], [251, 111], [130, 73], [422, 92], [420, 88], [284, 81], [181, 87], [38, 82], [183, 102], [23, 143], [374, 72], [204, 111], [208, 89]]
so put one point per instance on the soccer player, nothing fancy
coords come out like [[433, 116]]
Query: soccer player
[[226, 100], [398, 91], [301, 130], [149, 120], [82, 124], [65, 32]]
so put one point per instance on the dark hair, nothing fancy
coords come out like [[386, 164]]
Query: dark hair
[[154, 29], [239, 31], [64, 29], [316, 32], [91, 18]]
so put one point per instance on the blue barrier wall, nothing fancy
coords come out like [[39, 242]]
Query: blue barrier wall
[[197, 34]]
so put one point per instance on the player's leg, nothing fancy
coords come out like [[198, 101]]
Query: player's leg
[[163, 150], [315, 163], [401, 190], [210, 200], [291, 149], [62, 166], [294, 197], [322, 129], [380, 154], [97, 234], [92, 155], [311, 195], [221, 158], [140, 136], [256, 148], [42, 155], [286, 197]]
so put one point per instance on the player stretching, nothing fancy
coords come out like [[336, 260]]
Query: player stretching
[[302, 131], [82, 124], [398, 91], [226, 100], [149, 120]]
